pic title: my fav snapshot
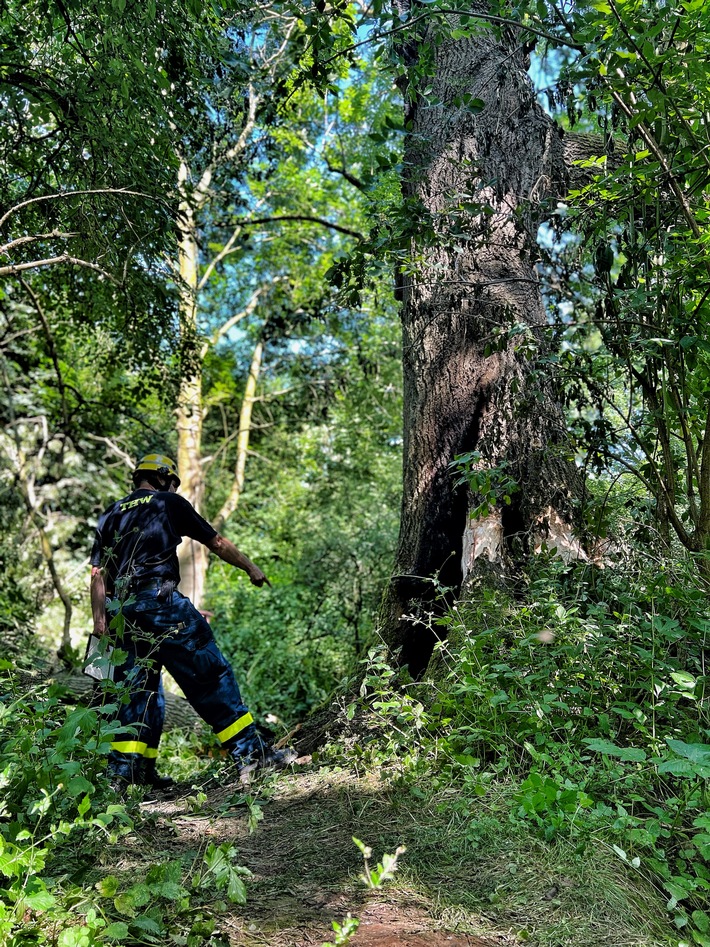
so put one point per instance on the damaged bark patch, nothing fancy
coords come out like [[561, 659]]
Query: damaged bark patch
[[482, 537], [485, 537], [556, 535]]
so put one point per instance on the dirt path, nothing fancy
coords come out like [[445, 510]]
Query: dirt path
[[305, 865]]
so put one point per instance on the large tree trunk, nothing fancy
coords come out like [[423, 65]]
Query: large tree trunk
[[480, 173]]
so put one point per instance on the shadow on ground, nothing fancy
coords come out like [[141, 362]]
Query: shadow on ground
[[466, 879], [306, 867]]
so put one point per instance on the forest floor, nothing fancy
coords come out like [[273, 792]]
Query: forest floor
[[467, 879]]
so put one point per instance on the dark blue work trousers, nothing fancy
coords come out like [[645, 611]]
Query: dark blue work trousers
[[170, 633]]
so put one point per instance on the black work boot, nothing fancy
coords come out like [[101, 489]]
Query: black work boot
[[151, 777], [258, 755], [124, 774]]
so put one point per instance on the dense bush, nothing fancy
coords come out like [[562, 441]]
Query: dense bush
[[57, 809], [589, 693]]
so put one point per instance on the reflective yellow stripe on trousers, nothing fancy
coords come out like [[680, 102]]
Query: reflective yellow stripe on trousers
[[130, 746], [234, 728]]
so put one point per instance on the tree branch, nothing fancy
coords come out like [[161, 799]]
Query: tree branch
[[12, 269], [225, 251], [65, 194], [240, 144], [657, 153], [117, 451], [350, 178], [52, 348], [472, 14], [230, 323], [307, 218], [39, 236]]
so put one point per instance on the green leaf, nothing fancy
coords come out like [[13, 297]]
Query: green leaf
[[78, 785], [365, 849], [82, 719], [466, 759], [37, 897], [139, 895], [170, 890], [470, 103], [627, 753], [147, 924], [124, 905], [677, 767], [74, 937], [116, 931], [236, 889], [702, 842], [695, 752], [684, 680], [108, 886]]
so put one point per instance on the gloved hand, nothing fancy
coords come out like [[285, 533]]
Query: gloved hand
[[167, 587], [257, 577]]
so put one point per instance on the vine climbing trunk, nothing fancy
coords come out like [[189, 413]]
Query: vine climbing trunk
[[482, 162]]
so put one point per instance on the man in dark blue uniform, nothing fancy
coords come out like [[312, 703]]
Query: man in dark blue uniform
[[134, 576]]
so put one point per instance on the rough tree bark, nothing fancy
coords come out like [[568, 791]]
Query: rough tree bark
[[483, 166]]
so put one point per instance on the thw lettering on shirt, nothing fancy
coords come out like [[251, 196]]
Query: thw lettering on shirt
[[130, 504]]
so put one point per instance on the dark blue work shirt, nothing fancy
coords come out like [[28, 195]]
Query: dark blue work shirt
[[137, 537]]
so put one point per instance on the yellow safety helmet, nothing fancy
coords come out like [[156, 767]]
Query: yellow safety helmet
[[160, 464]]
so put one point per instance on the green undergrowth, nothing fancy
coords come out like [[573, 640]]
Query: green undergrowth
[[549, 780], [59, 816], [585, 698], [475, 862]]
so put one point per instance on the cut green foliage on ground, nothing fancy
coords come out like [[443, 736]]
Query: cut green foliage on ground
[[586, 699]]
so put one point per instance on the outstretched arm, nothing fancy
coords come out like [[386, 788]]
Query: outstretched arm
[[98, 600], [228, 552]]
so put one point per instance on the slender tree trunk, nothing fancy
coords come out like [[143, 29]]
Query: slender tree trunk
[[245, 415], [26, 483], [64, 650], [481, 161], [189, 412]]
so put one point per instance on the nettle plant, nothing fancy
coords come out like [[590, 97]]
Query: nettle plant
[[58, 814], [56, 805]]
